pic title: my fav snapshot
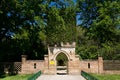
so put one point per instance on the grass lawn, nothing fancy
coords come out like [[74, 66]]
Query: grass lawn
[[107, 76], [16, 77]]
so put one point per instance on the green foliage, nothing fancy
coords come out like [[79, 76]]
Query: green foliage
[[101, 37], [25, 20], [62, 56], [27, 27], [110, 51], [20, 77], [107, 76], [61, 25], [103, 28], [89, 48], [85, 48], [87, 52], [55, 26], [61, 59]]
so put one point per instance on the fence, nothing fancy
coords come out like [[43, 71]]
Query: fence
[[35, 76], [10, 67], [88, 76], [111, 65]]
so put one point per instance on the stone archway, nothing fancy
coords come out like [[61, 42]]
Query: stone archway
[[69, 61], [61, 63]]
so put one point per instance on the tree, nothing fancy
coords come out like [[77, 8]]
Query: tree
[[88, 11], [61, 23], [36, 24], [7, 16], [22, 23], [32, 29], [86, 48], [104, 27]]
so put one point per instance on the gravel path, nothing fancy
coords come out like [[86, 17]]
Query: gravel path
[[60, 77]]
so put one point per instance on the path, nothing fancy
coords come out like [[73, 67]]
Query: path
[[60, 77]]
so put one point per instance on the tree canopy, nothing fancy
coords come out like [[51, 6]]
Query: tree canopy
[[29, 26], [102, 23]]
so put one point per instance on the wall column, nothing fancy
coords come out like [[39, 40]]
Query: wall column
[[23, 67], [46, 65], [24, 58], [100, 65]]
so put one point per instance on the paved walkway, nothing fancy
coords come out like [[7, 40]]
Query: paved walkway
[[60, 77]]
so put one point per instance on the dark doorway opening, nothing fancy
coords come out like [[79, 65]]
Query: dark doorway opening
[[62, 64]]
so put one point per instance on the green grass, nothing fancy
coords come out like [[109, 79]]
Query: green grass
[[107, 76], [16, 77]]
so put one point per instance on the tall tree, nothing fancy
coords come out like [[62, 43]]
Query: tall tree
[[22, 23], [103, 27], [88, 11], [61, 22], [7, 16]]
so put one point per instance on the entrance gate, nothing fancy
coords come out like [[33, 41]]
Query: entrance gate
[[62, 60], [62, 64]]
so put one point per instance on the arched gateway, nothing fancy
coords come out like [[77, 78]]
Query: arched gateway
[[62, 60], [62, 63]]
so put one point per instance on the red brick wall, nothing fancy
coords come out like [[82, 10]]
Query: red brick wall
[[29, 66], [92, 66], [89, 66]]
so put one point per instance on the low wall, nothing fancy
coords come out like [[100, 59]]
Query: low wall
[[111, 66], [89, 66], [92, 66], [111, 71], [32, 66]]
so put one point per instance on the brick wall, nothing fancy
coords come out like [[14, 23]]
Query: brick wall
[[74, 66], [32, 66], [89, 66], [101, 66], [92, 66]]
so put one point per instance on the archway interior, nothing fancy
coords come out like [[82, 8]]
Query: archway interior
[[62, 63]]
